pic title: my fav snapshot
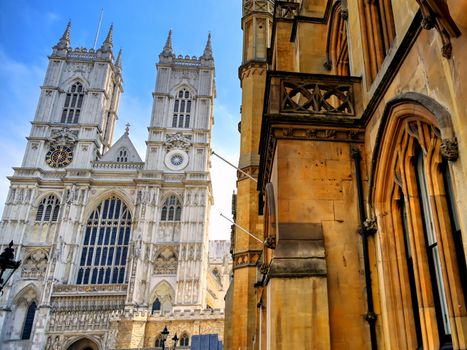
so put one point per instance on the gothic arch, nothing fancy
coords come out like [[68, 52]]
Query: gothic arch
[[76, 78], [337, 50], [83, 343], [43, 195], [28, 293], [166, 295], [183, 85], [409, 103], [99, 198], [419, 252]]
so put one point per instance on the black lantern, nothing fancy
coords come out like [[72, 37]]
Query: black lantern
[[8, 265], [164, 335], [175, 340]]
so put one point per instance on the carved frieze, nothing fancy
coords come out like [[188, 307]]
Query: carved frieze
[[177, 141], [244, 259], [63, 137]]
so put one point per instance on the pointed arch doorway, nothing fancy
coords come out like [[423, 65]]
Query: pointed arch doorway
[[83, 344]]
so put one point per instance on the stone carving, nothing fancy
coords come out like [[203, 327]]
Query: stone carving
[[250, 6], [35, 265], [166, 261], [177, 141], [63, 137], [317, 98], [369, 227], [287, 9], [450, 149], [436, 15], [270, 242]]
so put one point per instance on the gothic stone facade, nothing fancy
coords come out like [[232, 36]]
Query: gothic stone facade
[[108, 242], [360, 152]]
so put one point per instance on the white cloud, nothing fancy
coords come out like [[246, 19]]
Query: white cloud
[[19, 92]]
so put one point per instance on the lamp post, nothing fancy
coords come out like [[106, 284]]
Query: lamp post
[[7, 262], [175, 341], [164, 334]]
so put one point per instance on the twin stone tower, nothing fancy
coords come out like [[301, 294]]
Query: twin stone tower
[[113, 247]]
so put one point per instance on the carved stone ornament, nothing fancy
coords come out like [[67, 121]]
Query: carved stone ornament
[[35, 264], [63, 137], [270, 242], [436, 15], [264, 268], [450, 149], [177, 141], [370, 227], [166, 261]]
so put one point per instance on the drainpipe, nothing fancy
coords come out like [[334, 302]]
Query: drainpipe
[[366, 229]]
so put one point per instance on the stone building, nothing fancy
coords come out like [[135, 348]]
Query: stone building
[[360, 156], [113, 248]]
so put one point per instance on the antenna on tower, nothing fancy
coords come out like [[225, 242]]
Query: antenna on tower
[[98, 29]]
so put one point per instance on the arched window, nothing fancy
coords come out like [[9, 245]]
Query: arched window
[[171, 210], [29, 321], [337, 49], [377, 24], [156, 305], [122, 155], [182, 110], [48, 209], [73, 102], [105, 247], [159, 341], [419, 235], [185, 340]]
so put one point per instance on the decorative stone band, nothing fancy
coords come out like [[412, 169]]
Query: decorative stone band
[[299, 252], [246, 259]]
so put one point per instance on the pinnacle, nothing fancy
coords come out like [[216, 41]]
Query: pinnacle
[[167, 50], [118, 61], [64, 42], [207, 54], [108, 39]]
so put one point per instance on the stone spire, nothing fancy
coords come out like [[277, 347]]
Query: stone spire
[[64, 42], [207, 54], [167, 50], [118, 61], [108, 44]]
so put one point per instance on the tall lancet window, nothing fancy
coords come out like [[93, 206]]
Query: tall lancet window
[[105, 247], [182, 110], [171, 210], [73, 102]]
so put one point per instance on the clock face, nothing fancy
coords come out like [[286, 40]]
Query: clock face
[[59, 156], [176, 159]]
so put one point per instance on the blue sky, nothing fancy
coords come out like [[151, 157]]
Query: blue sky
[[29, 29]]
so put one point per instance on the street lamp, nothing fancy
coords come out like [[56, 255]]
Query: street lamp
[[175, 340], [164, 335], [7, 262]]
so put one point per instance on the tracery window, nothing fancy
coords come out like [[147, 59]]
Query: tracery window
[[182, 110], [105, 246], [48, 209], [171, 210], [419, 238], [73, 102], [184, 340], [122, 155], [29, 321]]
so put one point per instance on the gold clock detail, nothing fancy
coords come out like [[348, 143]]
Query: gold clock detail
[[59, 156]]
